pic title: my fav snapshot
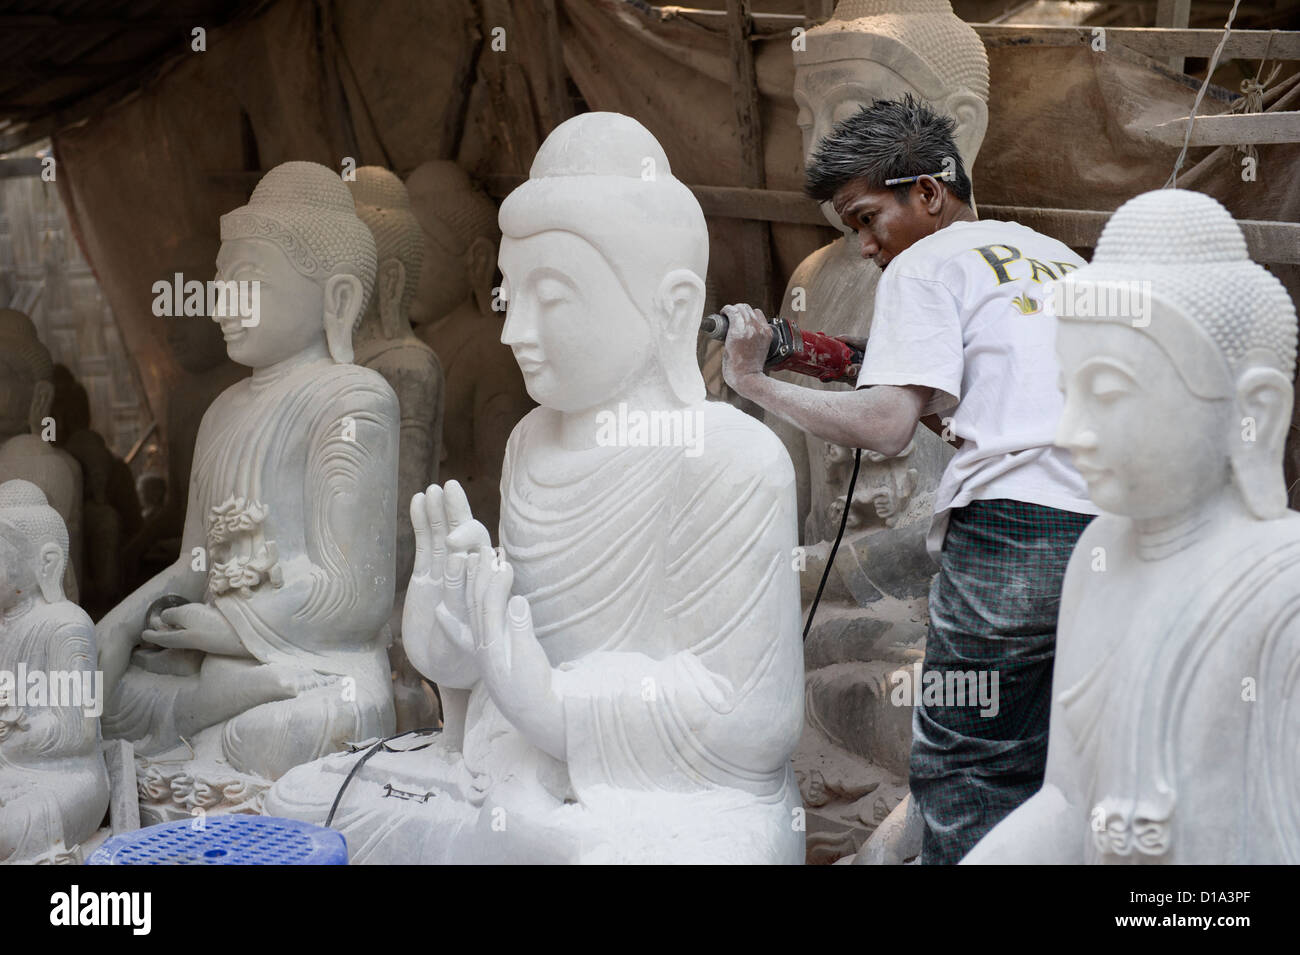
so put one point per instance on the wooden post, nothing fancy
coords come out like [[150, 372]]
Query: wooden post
[[757, 245], [1174, 13]]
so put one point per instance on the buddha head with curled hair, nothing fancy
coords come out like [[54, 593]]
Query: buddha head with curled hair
[[884, 50], [300, 239], [33, 545], [1172, 401], [603, 254]]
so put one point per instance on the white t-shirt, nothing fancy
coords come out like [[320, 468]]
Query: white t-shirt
[[965, 311]]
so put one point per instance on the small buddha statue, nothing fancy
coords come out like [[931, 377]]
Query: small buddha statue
[[453, 311], [275, 653], [384, 342], [53, 783], [1175, 710], [628, 663], [28, 432]]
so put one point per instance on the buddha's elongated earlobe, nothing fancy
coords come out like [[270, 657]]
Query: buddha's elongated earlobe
[[680, 303], [1264, 399], [49, 572], [342, 306]]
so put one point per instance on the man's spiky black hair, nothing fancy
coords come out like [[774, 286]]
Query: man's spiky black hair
[[890, 139]]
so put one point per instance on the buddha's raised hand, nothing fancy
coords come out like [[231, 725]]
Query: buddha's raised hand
[[511, 661], [434, 618]]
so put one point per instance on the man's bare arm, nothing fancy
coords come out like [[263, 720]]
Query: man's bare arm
[[880, 419]]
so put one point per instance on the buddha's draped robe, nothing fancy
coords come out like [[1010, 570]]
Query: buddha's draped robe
[[1154, 772], [664, 593], [53, 784], [294, 496]]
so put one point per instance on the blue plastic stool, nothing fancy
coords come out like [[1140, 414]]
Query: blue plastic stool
[[226, 840]]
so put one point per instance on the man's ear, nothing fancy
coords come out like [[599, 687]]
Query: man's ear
[[679, 301], [42, 402], [342, 305], [1264, 399], [389, 285], [49, 571], [480, 267]]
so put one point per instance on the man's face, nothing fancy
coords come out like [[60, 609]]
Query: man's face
[[885, 226], [828, 93]]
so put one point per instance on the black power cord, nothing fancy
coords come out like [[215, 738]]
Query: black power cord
[[839, 536], [380, 744]]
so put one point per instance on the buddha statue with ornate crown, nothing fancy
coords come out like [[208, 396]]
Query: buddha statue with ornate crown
[[622, 676], [264, 645], [385, 343], [53, 783], [457, 312], [1176, 693], [28, 432]]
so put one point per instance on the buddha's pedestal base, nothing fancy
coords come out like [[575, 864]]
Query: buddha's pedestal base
[[419, 805], [190, 781]]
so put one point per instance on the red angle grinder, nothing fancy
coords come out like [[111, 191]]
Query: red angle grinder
[[807, 353]]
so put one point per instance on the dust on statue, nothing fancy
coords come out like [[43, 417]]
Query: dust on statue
[[623, 681], [275, 652]]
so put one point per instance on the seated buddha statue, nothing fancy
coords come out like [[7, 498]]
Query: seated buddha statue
[[27, 448], [623, 677], [384, 342], [275, 652], [53, 783], [1175, 711]]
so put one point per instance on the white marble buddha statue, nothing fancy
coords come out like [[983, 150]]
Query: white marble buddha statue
[[1175, 711], [277, 653], [384, 342], [453, 312], [628, 664], [27, 450], [53, 783]]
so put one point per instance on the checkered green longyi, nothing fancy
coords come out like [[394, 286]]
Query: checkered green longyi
[[993, 608]]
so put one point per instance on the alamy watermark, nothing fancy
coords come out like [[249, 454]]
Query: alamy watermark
[[658, 428], [946, 688], [82, 689], [216, 298], [1131, 300]]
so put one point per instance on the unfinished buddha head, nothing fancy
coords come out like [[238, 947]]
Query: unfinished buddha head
[[603, 254], [459, 226], [1177, 358], [33, 545], [300, 239], [26, 376], [383, 205], [884, 49]]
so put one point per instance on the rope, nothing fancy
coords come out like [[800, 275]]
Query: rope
[[1172, 181]]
